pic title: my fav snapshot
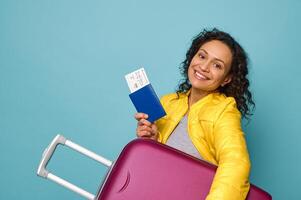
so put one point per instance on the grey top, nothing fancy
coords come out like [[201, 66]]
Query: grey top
[[180, 139]]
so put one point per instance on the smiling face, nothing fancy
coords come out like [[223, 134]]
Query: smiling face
[[209, 68]]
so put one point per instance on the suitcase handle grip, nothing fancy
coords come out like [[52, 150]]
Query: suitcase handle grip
[[47, 154]]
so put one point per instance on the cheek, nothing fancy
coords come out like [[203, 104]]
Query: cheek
[[218, 76], [194, 61], [190, 72]]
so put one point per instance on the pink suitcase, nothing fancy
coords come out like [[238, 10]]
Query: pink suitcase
[[146, 170]]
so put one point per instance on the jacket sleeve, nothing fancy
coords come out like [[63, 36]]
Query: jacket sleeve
[[161, 123], [231, 181]]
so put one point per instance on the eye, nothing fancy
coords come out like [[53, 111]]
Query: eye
[[202, 56], [217, 65]]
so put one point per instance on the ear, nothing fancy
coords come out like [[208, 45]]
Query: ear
[[227, 80]]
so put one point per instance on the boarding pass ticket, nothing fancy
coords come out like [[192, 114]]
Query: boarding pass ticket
[[137, 79]]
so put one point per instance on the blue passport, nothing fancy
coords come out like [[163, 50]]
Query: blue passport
[[146, 101], [143, 95]]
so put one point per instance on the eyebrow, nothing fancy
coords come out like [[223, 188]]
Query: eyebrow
[[214, 57]]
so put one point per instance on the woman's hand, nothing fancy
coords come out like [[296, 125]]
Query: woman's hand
[[145, 128]]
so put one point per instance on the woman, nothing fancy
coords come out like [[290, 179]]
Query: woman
[[204, 115]]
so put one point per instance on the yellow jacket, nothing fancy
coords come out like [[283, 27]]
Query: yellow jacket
[[214, 126]]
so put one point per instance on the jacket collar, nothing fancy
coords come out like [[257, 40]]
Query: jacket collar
[[201, 101]]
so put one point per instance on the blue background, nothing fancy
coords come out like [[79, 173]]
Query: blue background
[[62, 67]]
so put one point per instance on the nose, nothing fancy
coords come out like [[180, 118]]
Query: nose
[[205, 66]]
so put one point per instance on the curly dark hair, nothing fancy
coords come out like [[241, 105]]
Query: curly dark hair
[[239, 85]]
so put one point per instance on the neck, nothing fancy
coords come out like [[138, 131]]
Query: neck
[[195, 96]]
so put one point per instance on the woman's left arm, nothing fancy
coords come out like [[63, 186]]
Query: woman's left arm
[[231, 181]]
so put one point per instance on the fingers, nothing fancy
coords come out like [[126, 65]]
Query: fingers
[[154, 128], [147, 131], [139, 116], [144, 131], [145, 122], [145, 128]]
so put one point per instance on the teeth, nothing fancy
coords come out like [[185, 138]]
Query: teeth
[[200, 76]]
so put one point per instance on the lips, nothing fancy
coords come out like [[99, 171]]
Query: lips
[[200, 76]]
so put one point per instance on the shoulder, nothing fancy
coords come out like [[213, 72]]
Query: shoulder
[[172, 97], [222, 102], [217, 105], [169, 96]]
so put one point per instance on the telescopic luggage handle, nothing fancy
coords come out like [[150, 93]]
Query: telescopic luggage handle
[[43, 172]]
